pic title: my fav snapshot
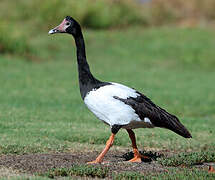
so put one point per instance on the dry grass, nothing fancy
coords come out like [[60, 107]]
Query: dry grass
[[8, 172], [189, 13]]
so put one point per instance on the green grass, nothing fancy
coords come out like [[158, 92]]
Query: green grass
[[78, 170], [40, 105], [172, 174], [98, 172], [13, 41], [188, 159], [25, 178], [99, 15]]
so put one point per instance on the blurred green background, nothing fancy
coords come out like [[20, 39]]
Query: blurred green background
[[21, 21], [163, 48]]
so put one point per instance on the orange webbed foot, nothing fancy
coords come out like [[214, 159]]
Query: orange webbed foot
[[211, 169], [138, 158], [135, 159]]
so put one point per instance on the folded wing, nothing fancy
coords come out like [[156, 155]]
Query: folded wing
[[159, 117]]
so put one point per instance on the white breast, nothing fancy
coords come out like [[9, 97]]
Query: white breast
[[110, 110]]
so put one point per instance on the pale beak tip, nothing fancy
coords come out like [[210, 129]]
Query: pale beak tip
[[52, 31]]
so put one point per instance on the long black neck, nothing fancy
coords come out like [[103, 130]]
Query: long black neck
[[86, 80]]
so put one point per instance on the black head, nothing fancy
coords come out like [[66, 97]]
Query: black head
[[68, 25]]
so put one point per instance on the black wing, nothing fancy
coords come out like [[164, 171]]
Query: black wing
[[159, 117]]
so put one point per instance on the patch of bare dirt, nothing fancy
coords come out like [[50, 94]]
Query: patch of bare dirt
[[38, 163], [8, 172]]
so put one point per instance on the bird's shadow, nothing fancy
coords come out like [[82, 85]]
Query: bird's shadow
[[148, 156]]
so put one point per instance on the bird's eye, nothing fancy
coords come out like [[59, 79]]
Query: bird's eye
[[68, 23]]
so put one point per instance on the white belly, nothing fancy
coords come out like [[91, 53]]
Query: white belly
[[112, 111]]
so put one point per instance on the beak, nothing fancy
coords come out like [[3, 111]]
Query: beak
[[58, 29], [55, 30]]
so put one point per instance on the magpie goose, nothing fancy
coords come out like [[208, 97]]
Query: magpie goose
[[115, 104]]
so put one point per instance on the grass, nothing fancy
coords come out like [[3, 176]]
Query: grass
[[188, 159], [38, 100], [98, 172], [109, 13], [98, 15], [172, 174], [13, 42], [25, 177], [78, 170], [41, 109]]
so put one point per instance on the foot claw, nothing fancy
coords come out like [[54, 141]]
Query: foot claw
[[94, 162]]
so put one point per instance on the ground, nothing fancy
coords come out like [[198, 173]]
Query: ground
[[40, 163], [29, 165]]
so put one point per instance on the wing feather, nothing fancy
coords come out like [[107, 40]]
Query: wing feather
[[159, 117]]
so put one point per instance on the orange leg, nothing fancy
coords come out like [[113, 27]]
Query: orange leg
[[137, 155], [109, 143]]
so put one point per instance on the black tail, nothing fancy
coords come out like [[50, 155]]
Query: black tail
[[171, 122], [175, 125]]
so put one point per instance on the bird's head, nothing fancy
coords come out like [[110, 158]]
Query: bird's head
[[68, 25]]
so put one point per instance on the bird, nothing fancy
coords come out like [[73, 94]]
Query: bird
[[116, 105]]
